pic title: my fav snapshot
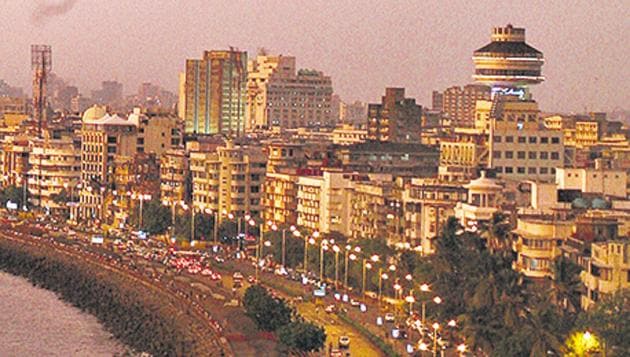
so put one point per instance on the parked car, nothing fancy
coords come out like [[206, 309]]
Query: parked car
[[389, 317]]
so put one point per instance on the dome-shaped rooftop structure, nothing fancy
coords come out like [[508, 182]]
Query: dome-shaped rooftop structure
[[507, 60], [94, 113], [483, 183]]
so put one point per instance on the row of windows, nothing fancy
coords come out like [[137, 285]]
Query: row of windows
[[531, 155], [528, 170], [506, 72], [531, 139]]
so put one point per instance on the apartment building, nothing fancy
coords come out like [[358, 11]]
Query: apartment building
[[229, 179], [537, 241], [281, 96], [395, 119], [173, 176], [520, 146], [103, 137], [608, 270], [280, 198], [324, 202], [458, 103], [54, 166]]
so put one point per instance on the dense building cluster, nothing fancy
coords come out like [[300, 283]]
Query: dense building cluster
[[260, 139]]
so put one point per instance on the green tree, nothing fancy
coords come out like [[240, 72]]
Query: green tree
[[566, 286], [156, 218], [301, 336], [269, 313], [609, 320], [13, 194]]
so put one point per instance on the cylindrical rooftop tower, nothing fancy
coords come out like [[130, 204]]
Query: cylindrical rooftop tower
[[507, 61]]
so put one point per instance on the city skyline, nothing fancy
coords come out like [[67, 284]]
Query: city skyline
[[135, 36]]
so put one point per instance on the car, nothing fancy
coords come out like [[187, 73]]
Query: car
[[371, 295], [335, 353], [354, 302], [344, 342], [251, 279], [389, 317], [330, 309]]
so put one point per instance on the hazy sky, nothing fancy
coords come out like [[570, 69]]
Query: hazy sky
[[363, 45]]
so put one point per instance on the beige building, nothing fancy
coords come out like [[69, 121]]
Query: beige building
[[521, 148], [324, 202], [173, 173], [483, 201], [55, 166], [14, 161], [537, 241], [608, 270], [228, 180], [280, 96], [103, 137], [370, 212], [461, 154], [157, 132], [428, 203], [609, 182], [280, 198], [348, 135]]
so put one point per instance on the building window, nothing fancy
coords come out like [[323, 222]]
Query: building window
[[555, 140], [555, 156], [544, 155], [496, 154], [531, 170], [520, 170], [509, 154], [544, 140], [498, 169], [509, 170], [522, 140], [520, 155], [509, 139], [531, 155], [544, 170], [497, 139], [533, 140]]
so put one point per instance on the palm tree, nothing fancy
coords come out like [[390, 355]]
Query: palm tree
[[566, 286], [542, 328], [497, 233]]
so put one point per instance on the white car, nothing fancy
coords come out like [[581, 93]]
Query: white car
[[389, 317], [344, 342]]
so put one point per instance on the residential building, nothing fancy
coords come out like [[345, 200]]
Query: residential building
[[111, 93], [520, 147], [396, 119], [55, 166], [458, 104], [229, 179], [324, 202], [174, 173], [353, 113], [103, 137], [402, 159], [216, 93], [428, 203], [608, 271], [280, 96], [348, 135], [14, 161], [280, 198], [370, 208], [12, 105], [600, 180], [284, 155], [157, 132], [461, 154], [537, 241]]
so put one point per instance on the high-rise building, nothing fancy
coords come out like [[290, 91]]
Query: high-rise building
[[111, 92], [216, 93], [228, 179], [396, 119], [507, 63], [458, 104], [103, 137], [280, 96]]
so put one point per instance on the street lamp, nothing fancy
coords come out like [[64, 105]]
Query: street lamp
[[350, 256], [323, 245], [461, 348], [425, 289], [296, 233], [307, 241], [336, 249], [410, 299], [436, 327], [381, 276]]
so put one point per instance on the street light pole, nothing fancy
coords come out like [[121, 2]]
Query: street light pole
[[322, 246], [336, 250]]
